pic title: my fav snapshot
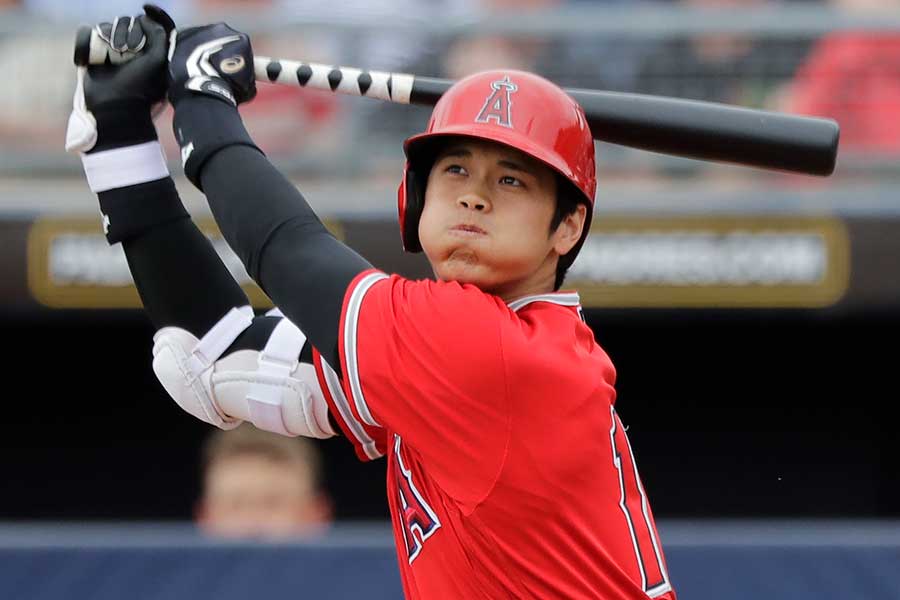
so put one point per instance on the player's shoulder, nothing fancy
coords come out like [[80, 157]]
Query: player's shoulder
[[555, 367], [439, 297], [550, 335], [528, 327]]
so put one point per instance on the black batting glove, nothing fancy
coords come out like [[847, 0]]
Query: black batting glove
[[213, 60], [210, 73], [111, 125], [122, 96]]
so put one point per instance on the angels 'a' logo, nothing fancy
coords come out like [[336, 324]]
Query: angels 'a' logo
[[498, 105]]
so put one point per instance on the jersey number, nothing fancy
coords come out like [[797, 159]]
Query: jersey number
[[633, 502]]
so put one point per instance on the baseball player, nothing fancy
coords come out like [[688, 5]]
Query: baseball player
[[510, 474]]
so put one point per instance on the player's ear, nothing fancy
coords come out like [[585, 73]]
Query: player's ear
[[568, 232]]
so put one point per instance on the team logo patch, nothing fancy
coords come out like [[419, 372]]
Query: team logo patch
[[498, 105]]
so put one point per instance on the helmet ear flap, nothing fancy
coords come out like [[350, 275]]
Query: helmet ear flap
[[410, 200]]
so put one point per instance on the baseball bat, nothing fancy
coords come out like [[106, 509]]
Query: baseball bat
[[694, 129]]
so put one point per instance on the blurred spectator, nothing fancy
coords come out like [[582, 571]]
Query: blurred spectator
[[41, 82], [719, 66], [573, 60], [471, 53], [90, 11], [584, 61], [854, 78], [726, 67], [259, 485]]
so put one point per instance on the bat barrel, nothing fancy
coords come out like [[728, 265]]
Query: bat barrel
[[712, 131]]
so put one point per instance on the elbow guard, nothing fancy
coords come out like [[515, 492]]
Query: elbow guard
[[270, 388]]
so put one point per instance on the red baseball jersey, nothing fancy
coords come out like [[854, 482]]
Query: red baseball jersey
[[510, 474]]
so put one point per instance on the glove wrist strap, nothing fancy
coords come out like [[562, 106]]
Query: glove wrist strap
[[212, 87], [125, 166]]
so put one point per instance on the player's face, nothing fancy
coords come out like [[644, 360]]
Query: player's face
[[251, 496], [486, 219]]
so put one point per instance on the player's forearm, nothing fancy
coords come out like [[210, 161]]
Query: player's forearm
[[183, 283], [281, 241], [265, 220], [180, 278]]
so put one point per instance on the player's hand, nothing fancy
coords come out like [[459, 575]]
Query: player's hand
[[114, 102], [210, 73], [213, 60]]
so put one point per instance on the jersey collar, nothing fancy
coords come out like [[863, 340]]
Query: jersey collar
[[561, 298]]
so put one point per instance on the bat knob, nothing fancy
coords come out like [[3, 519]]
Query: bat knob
[[83, 46]]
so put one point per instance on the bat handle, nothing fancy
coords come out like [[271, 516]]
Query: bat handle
[[92, 49]]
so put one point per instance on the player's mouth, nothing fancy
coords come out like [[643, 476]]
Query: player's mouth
[[467, 230]]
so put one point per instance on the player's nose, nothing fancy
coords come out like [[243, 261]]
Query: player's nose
[[474, 201]]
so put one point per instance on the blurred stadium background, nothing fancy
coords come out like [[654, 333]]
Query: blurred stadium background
[[752, 315]]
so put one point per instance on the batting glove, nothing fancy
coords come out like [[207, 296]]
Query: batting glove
[[111, 124], [113, 101], [214, 60], [210, 73]]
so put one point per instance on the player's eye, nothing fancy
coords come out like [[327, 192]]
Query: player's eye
[[457, 169], [510, 180]]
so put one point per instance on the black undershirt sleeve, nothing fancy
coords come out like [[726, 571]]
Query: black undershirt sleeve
[[183, 282], [284, 246], [179, 276]]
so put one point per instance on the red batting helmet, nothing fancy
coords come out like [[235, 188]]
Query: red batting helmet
[[519, 109]]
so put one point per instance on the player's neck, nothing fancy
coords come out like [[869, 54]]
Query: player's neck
[[540, 282]]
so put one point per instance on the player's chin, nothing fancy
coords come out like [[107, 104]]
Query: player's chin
[[465, 271]]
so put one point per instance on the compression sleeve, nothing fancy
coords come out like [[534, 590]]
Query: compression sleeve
[[177, 272], [183, 282], [180, 278], [284, 246]]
